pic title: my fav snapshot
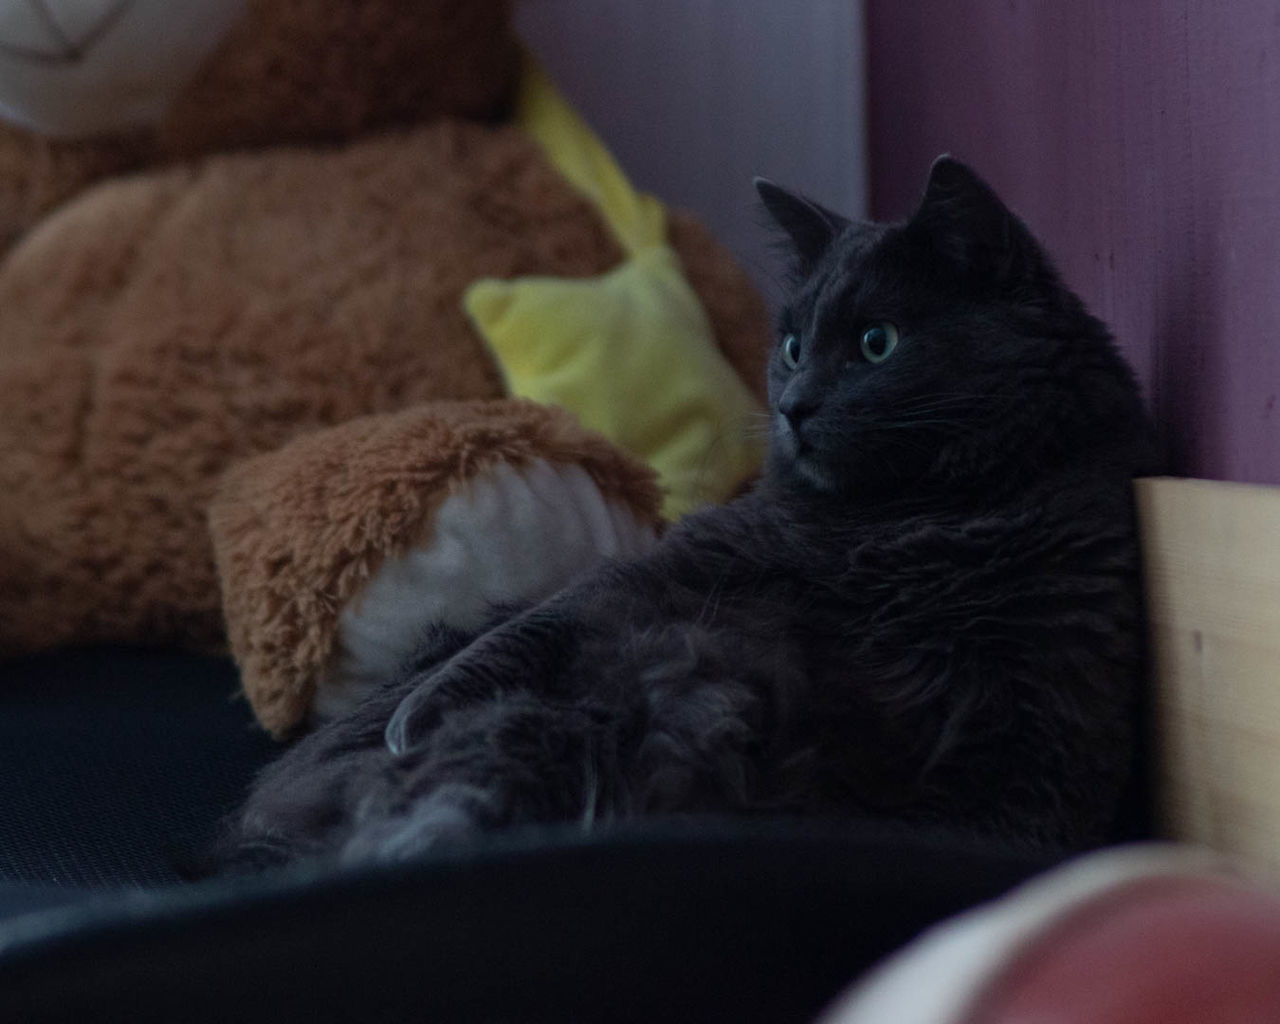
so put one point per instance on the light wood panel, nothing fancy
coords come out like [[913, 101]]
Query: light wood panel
[[1212, 563]]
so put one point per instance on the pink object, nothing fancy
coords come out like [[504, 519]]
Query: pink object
[[1165, 951], [1142, 935]]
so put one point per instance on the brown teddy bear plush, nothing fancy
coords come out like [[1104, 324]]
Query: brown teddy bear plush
[[299, 291]]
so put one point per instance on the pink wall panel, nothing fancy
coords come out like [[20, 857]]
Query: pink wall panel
[[1141, 141]]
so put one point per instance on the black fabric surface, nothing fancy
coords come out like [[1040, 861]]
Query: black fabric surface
[[115, 763], [654, 922], [18, 898]]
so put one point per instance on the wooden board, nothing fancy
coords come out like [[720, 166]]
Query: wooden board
[[1212, 562]]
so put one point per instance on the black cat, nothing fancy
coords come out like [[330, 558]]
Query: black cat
[[928, 609]]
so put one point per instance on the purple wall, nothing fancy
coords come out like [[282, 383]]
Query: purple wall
[[1141, 142], [690, 98]]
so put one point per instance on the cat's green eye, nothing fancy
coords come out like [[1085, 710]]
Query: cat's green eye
[[878, 342], [791, 351]]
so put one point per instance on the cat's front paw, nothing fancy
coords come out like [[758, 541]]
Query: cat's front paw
[[450, 814]]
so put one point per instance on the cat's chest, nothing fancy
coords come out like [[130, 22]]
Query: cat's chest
[[916, 582], [923, 584]]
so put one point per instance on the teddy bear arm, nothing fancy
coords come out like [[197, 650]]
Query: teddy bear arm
[[340, 553], [39, 174]]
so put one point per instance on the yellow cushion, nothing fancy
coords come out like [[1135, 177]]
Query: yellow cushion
[[630, 353]]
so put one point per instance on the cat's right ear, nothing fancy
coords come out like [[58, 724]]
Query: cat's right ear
[[970, 224], [810, 227]]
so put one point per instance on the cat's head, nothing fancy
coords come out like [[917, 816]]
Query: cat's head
[[940, 351]]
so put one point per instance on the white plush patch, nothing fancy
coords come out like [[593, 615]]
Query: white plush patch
[[74, 68], [508, 537]]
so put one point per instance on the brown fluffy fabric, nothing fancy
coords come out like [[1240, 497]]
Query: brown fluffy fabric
[[37, 174], [300, 530], [163, 327], [160, 328], [290, 71], [179, 301], [316, 70]]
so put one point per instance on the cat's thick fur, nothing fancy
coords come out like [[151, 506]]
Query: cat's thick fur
[[928, 610]]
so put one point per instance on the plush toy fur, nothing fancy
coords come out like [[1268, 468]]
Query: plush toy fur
[[286, 256], [301, 530], [291, 71]]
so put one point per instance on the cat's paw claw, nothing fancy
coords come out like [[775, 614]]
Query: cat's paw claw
[[397, 735], [405, 729]]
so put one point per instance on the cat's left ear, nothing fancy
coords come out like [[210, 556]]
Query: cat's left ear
[[972, 227], [811, 227]]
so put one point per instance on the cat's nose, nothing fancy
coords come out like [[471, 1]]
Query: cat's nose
[[797, 407]]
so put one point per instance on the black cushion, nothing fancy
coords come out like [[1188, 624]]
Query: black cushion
[[658, 921], [116, 763]]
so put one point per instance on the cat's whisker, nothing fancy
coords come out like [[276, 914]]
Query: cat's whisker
[[910, 424], [929, 406], [955, 397]]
